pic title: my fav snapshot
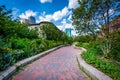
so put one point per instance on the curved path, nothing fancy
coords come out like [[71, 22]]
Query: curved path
[[57, 65]]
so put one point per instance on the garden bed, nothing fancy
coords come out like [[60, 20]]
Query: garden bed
[[105, 65]]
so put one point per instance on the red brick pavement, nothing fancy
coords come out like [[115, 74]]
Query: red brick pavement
[[58, 65]]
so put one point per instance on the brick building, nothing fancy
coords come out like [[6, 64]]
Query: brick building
[[114, 25]]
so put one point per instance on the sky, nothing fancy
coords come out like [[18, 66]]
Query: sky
[[57, 11]]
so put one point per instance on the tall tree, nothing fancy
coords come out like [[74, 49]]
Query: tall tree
[[97, 13], [9, 27], [93, 12], [51, 31], [83, 18]]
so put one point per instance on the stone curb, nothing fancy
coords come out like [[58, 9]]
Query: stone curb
[[4, 75], [90, 70]]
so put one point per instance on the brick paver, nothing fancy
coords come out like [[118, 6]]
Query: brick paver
[[58, 65]]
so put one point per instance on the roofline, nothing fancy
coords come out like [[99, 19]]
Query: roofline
[[45, 22], [40, 23]]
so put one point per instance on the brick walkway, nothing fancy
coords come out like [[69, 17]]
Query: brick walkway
[[58, 65]]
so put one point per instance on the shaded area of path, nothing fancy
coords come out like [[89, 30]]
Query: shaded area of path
[[58, 65]]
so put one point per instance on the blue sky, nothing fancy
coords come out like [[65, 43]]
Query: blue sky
[[57, 11]]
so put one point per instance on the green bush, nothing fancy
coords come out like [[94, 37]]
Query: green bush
[[18, 55], [80, 44], [108, 67], [84, 39], [15, 49], [115, 41], [85, 45], [5, 60], [17, 41]]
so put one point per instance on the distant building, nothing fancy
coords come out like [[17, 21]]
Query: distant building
[[26, 21], [68, 31], [38, 27], [32, 20], [113, 26]]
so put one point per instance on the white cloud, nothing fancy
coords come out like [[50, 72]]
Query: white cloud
[[64, 11], [63, 21], [55, 16], [111, 11], [48, 17], [65, 25], [60, 27], [15, 11], [70, 17], [27, 14], [73, 4], [68, 25], [43, 13], [60, 14], [44, 1], [45, 18]]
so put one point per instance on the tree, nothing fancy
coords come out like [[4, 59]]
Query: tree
[[106, 12], [51, 31], [5, 20], [83, 18], [9, 27], [96, 12]]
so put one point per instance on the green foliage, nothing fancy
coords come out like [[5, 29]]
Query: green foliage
[[51, 31], [94, 46], [111, 46], [91, 13], [84, 39], [17, 55], [17, 42], [6, 59], [106, 47], [66, 39], [109, 67], [84, 45], [19, 48], [70, 40], [9, 27], [22, 30], [80, 44], [115, 43]]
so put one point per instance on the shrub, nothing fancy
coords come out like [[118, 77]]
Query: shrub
[[18, 44], [80, 44], [110, 68], [5, 60], [84, 39], [115, 43], [17, 41], [18, 55], [19, 48]]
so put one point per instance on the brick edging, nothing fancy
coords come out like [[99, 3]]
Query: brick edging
[[90, 70], [4, 75]]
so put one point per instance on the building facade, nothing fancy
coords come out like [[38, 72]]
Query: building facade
[[114, 25], [39, 28], [68, 32], [32, 19]]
